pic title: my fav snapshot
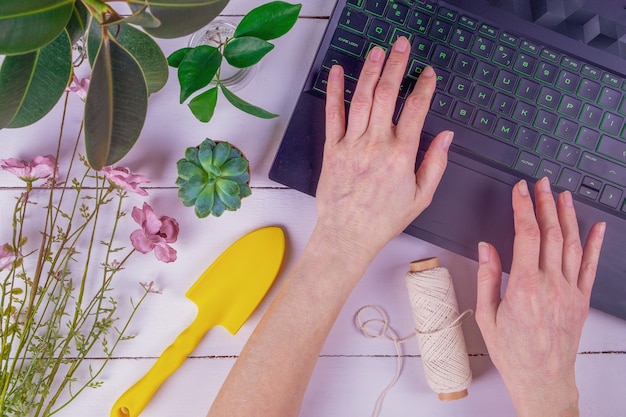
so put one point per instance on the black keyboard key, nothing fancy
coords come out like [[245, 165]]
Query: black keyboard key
[[568, 154], [351, 66], [549, 55], [526, 137], [503, 56], [376, 7], [348, 42], [528, 89], [603, 168], [610, 98], [379, 30], [398, 13], [529, 47], [460, 87], [483, 47], [612, 124], [356, 3], [481, 95], [505, 129], [588, 89], [485, 73], [566, 129], [588, 192], [506, 81], [570, 106], [440, 30], [447, 14], [545, 121], [611, 80], [567, 81], [525, 64], [546, 72], [591, 115], [550, 170], [571, 63], [588, 138], [427, 5], [463, 64], [613, 148], [397, 32], [548, 146], [352, 19], [548, 98], [484, 121], [508, 39], [468, 22], [442, 56], [461, 39], [463, 112], [527, 163], [418, 21], [569, 180], [503, 104], [590, 71], [443, 79], [421, 47], [611, 196], [441, 104], [321, 83], [415, 69], [592, 183], [488, 30], [524, 112]]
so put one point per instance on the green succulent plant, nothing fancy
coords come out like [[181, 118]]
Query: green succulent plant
[[213, 177]]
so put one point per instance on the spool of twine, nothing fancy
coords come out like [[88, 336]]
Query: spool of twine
[[438, 328]]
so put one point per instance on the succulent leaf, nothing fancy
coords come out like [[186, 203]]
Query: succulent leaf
[[214, 177]]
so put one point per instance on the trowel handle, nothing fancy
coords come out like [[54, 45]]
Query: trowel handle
[[137, 397]]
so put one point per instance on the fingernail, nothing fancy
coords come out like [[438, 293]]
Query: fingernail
[[447, 140], [522, 188], [428, 72], [483, 252], [567, 198], [602, 229], [376, 54], [335, 72], [401, 44], [544, 184]]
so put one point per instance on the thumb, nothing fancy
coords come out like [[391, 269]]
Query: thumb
[[488, 285]]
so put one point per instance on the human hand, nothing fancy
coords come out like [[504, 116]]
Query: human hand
[[368, 191], [532, 332]]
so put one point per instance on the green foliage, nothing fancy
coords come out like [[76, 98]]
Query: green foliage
[[37, 36], [213, 177], [199, 66]]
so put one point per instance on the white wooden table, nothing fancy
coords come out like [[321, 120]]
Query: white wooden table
[[352, 370]]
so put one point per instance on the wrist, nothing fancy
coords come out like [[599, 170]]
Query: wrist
[[558, 399]]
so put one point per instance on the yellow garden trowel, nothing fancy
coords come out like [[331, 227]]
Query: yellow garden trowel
[[226, 295]]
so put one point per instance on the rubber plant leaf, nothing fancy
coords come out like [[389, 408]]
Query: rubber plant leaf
[[245, 106], [32, 83], [246, 51], [197, 69], [26, 26], [140, 45], [116, 104], [269, 21], [77, 25], [180, 17]]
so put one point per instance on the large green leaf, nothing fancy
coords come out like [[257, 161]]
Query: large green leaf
[[246, 51], [180, 17], [28, 25], [32, 83], [139, 45], [245, 106], [269, 21], [203, 105], [77, 24], [197, 69], [116, 105]]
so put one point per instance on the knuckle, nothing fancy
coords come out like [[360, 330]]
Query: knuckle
[[530, 231], [553, 234], [416, 101], [385, 92]]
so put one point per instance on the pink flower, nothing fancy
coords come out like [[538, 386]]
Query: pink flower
[[40, 167], [79, 86], [155, 233], [7, 257], [126, 180]]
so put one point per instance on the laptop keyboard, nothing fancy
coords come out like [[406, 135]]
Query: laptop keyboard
[[538, 111]]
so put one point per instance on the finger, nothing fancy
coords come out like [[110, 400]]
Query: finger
[[591, 255], [489, 280], [386, 93], [572, 248], [551, 255], [335, 108], [527, 235], [432, 168], [415, 108], [361, 104]]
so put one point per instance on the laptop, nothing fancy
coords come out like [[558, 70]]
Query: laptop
[[532, 88]]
